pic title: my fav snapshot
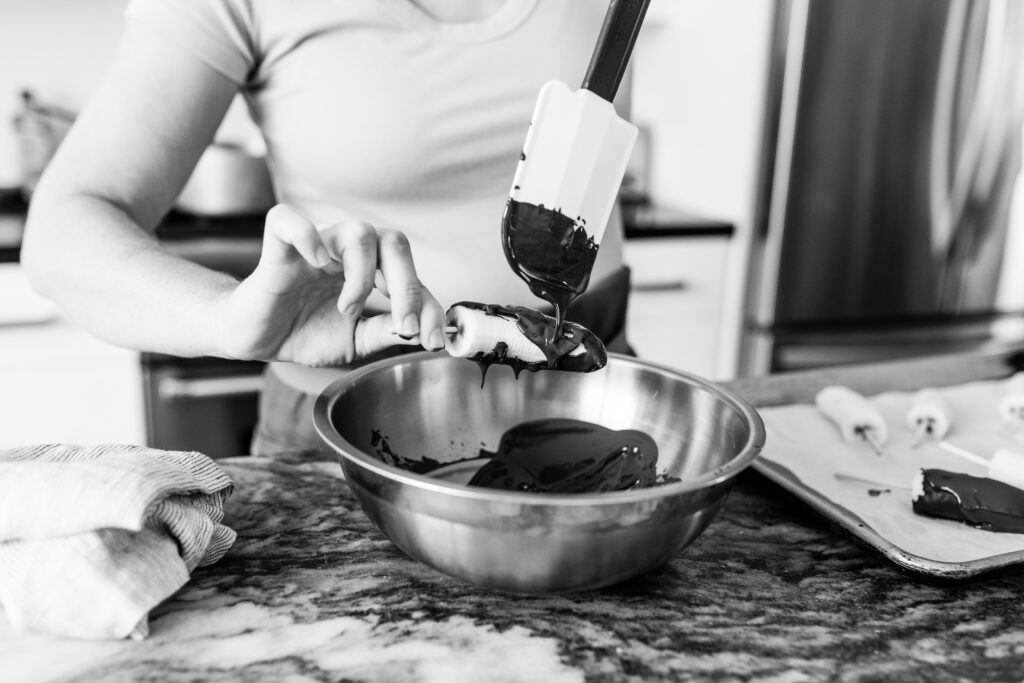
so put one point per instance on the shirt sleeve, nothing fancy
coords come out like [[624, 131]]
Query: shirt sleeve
[[219, 32]]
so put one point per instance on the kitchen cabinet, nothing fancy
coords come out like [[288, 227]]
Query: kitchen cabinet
[[675, 304], [58, 383]]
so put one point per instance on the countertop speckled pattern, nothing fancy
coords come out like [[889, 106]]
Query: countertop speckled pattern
[[312, 591]]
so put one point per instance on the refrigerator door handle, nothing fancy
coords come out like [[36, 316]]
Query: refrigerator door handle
[[976, 164], [661, 286], [175, 388], [1003, 115], [942, 130], [951, 188]]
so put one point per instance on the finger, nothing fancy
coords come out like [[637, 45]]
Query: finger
[[402, 283], [354, 245], [375, 334], [286, 233], [432, 320], [333, 267], [381, 284]]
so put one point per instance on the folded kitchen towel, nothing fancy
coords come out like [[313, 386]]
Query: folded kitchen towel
[[91, 539]]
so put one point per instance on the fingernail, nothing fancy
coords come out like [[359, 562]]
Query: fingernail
[[410, 326], [351, 309], [436, 340], [322, 257]]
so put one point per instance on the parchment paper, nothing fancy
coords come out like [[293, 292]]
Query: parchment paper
[[810, 446]]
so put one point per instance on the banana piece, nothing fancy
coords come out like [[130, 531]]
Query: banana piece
[[480, 333], [1005, 465], [1008, 467], [519, 337], [854, 415], [980, 502], [983, 502], [1011, 407], [930, 415]]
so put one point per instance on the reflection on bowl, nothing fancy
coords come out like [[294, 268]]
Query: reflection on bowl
[[429, 405]]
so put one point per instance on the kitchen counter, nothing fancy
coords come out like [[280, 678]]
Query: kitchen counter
[[312, 591], [183, 233], [200, 238], [654, 221]]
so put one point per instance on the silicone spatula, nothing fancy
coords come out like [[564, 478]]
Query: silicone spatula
[[572, 165]]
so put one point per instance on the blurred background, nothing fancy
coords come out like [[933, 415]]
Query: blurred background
[[817, 182]]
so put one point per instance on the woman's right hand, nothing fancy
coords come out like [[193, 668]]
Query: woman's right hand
[[305, 300]]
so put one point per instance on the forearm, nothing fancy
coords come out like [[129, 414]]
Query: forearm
[[115, 280]]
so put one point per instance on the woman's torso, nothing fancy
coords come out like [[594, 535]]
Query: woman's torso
[[374, 111]]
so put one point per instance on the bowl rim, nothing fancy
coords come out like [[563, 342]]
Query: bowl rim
[[325, 401]]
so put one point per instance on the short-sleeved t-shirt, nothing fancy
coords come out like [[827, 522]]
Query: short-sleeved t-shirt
[[373, 110]]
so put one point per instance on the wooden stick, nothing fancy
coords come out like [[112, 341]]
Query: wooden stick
[[924, 428], [845, 476], [450, 330], [963, 453], [868, 435]]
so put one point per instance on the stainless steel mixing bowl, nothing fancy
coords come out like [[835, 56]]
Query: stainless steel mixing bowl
[[431, 405]]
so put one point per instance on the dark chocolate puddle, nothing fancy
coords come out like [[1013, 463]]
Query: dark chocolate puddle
[[554, 455], [561, 455], [382, 448]]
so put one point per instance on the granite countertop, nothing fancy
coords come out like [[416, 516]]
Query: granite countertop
[[770, 591]]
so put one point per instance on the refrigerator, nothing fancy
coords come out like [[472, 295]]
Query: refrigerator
[[889, 219]]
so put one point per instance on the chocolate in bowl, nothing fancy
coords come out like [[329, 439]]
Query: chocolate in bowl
[[431, 406]]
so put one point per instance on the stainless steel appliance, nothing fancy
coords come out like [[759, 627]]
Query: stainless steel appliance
[[200, 404], [890, 218]]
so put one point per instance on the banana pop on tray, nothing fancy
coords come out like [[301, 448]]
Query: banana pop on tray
[[520, 337]]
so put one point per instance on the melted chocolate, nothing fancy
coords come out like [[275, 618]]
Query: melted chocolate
[[980, 502], [561, 455], [555, 455], [382, 448], [540, 330], [550, 251]]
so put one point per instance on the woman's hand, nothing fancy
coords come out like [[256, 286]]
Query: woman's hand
[[304, 302]]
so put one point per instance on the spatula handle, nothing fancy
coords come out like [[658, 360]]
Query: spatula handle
[[614, 45]]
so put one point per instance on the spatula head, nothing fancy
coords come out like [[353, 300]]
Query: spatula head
[[574, 157]]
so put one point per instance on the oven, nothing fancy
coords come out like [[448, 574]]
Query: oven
[[205, 404], [200, 404]]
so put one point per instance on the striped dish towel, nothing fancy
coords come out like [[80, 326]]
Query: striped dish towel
[[92, 539]]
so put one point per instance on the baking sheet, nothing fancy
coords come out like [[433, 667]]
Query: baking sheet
[[804, 451]]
